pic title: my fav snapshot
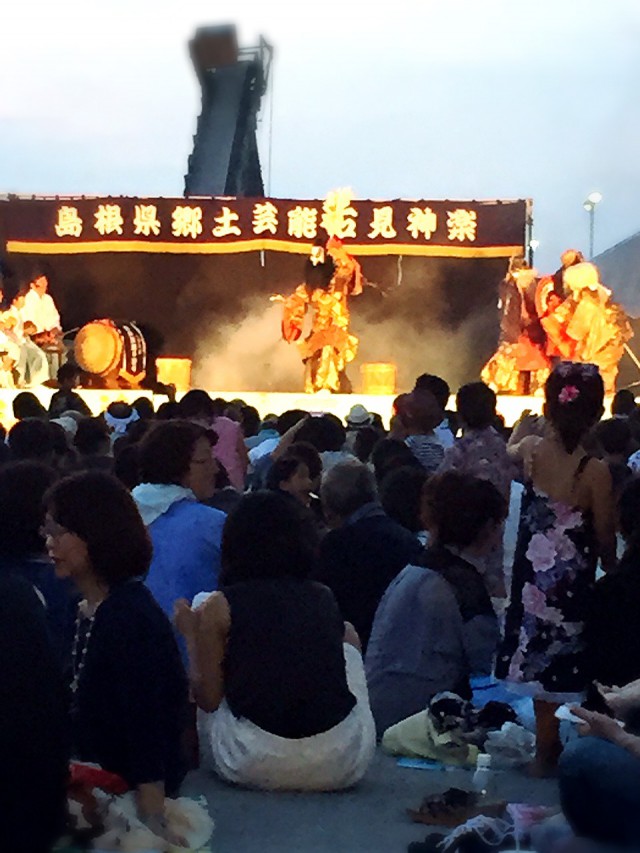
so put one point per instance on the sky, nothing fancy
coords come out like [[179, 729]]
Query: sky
[[404, 99]]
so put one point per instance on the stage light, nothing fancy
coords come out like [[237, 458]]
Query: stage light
[[589, 205], [532, 245]]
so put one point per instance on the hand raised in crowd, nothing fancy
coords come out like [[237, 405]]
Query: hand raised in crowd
[[528, 424]]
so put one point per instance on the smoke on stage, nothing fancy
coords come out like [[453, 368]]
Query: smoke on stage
[[248, 355], [427, 323]]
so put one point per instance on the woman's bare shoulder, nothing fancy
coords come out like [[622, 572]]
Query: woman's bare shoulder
[[597, 472]]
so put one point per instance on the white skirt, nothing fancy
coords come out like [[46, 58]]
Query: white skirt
[[242, 753]]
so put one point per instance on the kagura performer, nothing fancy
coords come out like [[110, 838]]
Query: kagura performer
[[332, 275], [520, 364], [588, 326]]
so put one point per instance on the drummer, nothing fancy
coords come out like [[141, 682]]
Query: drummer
[[42, 320]]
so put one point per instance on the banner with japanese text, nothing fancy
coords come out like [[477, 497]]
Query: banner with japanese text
[[472, 229]]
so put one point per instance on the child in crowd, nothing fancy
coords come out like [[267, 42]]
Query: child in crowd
[[66, 399]]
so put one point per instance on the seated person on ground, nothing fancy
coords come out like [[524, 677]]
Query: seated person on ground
[[624, 404], [389, 454], [435, 626], [128, 685], [401, 497], [365, 549], [177, 471], [272, 662], [34, 439], [420, 414], [33, 724], [436, 385], [26, 405], [600, 775], [22, 549], [289, 474], [612, 629], [614, 440], [93, 444], [328, 435]]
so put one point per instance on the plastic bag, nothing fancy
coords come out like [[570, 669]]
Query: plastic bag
[[510, 747], [125, 832]]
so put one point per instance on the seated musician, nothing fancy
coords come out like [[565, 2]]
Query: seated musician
[[42, 321], [9, 355], [31, 367]]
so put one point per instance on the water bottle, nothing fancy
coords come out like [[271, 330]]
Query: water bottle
[[483, 776]]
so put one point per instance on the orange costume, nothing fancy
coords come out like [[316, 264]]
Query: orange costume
[[553, 320], [588, 326], [329, 347]]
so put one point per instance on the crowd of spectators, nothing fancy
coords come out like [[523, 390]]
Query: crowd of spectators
[[268, 595]]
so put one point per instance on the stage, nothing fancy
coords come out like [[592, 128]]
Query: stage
[[266, 402]]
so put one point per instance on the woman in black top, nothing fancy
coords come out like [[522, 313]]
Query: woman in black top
[[22, 552], [267, 656], [128, 686], [33, 724]]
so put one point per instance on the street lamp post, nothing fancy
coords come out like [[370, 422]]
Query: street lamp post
[[589, 205]]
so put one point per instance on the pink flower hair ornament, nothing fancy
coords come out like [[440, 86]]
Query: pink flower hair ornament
[[568, 394]]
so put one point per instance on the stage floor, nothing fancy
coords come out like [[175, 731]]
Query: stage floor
[[267, 402]]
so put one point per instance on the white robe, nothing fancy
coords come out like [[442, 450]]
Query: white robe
[[41, 311]]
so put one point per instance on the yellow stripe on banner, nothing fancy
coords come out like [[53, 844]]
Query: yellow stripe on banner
[[172, 248], [412, 249]]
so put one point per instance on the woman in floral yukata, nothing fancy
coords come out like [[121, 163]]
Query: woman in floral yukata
[[566, 523]]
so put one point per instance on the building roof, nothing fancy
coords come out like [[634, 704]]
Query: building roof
[[620, 270]]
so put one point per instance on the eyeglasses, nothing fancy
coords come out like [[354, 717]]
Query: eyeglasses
[[52, 530]]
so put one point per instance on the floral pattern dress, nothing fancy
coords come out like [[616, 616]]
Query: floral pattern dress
[[544, 650], [483, 453]]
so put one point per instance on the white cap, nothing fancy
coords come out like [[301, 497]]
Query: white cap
[[483, 761]]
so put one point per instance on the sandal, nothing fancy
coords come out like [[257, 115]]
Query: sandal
[[452, 808], [443, 809]]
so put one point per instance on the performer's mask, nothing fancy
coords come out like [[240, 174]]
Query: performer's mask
[[317, 255]]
